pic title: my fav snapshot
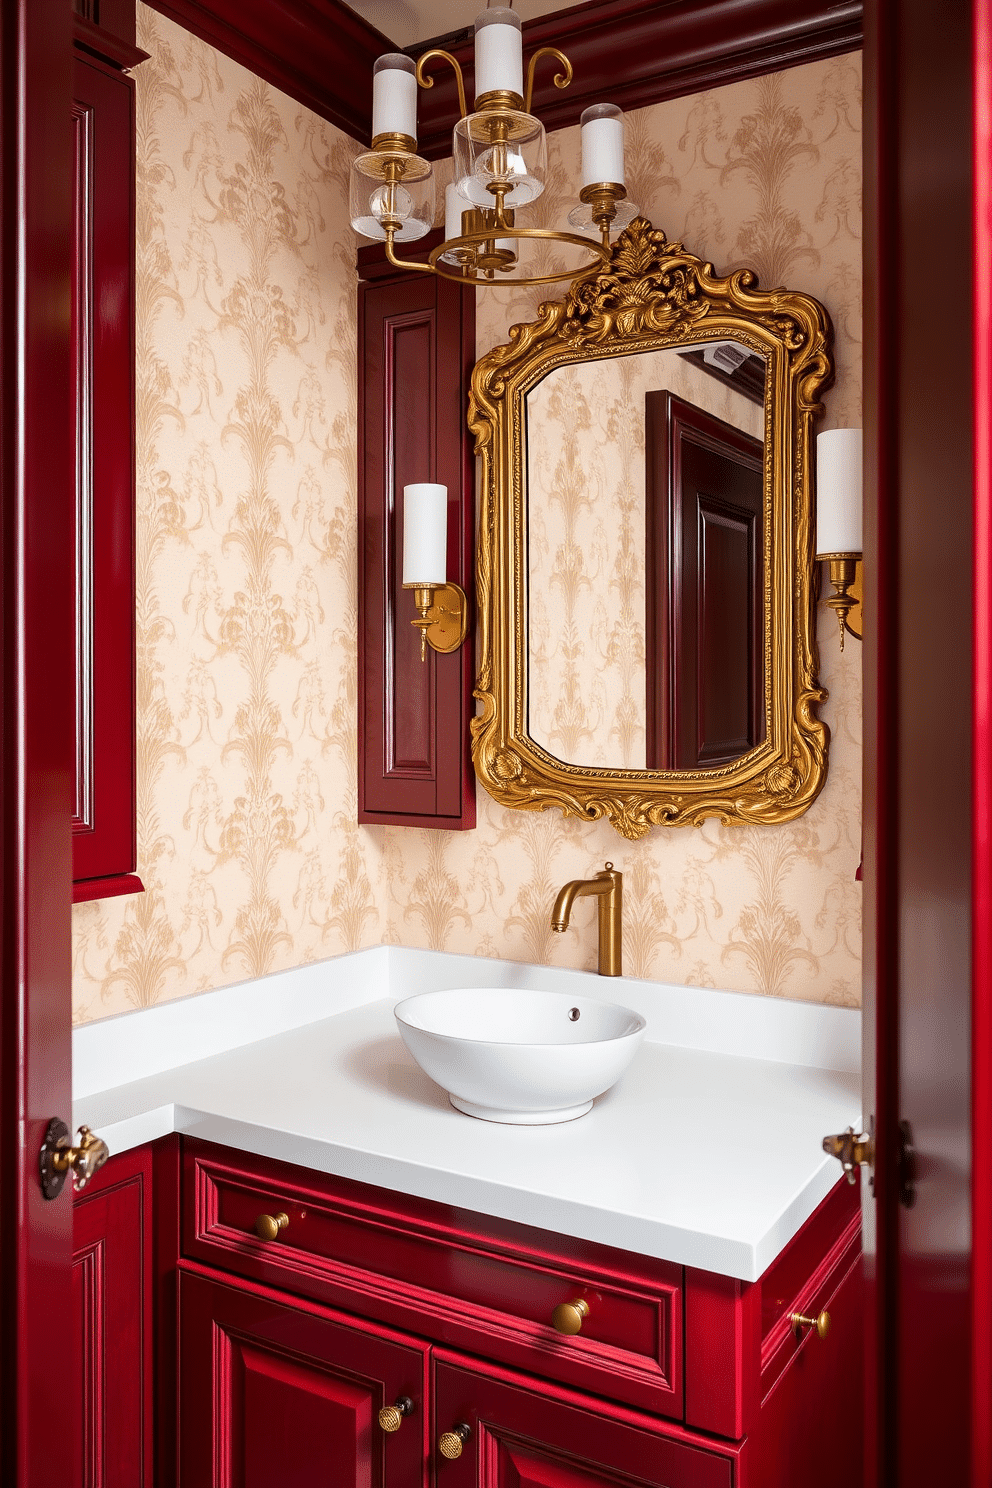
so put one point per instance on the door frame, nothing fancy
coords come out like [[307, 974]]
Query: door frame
[[36, 729]]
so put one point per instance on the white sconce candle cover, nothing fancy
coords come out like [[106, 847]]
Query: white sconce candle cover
[[838, 491], [499, 62], [602, 145], [425, 533], [394, 96]]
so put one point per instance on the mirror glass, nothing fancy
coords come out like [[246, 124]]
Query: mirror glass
[[646, 630]]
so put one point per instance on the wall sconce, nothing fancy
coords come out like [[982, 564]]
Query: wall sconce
[[838, 517], [442, 608]]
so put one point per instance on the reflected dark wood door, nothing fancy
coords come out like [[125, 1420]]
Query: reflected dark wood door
[[703, 501]]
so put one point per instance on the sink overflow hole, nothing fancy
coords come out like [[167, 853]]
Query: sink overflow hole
[[574, 1015]]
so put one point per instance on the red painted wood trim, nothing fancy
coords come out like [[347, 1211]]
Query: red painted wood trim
[[640, 52], [102, 43], [36, 729], [112, 1240], [83, 890], [319, 52], [165, 1251], [416, 351], [981, 1093]]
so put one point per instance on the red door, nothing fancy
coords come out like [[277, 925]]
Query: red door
[[517, 1433], [928, 759], [36, 729], [290, 1394]]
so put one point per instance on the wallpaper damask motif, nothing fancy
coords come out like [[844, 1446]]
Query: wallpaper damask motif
[[246, 431]]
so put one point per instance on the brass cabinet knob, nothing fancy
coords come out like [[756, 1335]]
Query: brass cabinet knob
[[451, 1443], [567, 1316], [267, 1226], [821, 1323], [391, 1416]]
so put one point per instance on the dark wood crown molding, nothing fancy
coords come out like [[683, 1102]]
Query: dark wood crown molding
[[630, 52], [318, 51]]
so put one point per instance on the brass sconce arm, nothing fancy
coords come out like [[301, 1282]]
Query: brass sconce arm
[[562, 79], [843, 574], [428, 82]]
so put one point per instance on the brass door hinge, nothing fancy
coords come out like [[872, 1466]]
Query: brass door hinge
[[58, 1158]]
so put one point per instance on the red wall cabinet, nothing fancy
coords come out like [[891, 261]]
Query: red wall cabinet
[[416, 343], [103, 842]]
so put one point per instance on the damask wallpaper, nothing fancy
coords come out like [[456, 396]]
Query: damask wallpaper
[[248, 844]]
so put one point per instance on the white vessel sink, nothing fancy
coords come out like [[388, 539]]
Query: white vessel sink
[[522, 1057]]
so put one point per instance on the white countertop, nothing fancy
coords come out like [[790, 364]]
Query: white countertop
[[704, 1154]]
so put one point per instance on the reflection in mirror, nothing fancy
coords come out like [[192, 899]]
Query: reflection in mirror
[[646, 623]]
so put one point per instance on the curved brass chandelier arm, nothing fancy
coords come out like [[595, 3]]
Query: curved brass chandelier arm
[[562, 79], [428, 82], [402, 263]]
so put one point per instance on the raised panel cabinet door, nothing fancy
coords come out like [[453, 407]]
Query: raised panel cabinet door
[[274, 1392], [523, 1433], [111, 1274]]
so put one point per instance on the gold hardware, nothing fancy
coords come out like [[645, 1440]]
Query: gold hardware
[[500, 228], [603, 199], [562, 79], [442, 611], [58, 1158], [394, 144], [843, 574], [450, 1444], [267, 1226], [608, 887], [821, 1323], [567, 1316], [851, 1151], [652, 294], [391, 1416], [428, 82]]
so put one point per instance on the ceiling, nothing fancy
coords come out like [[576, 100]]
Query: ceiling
[[406, 22]]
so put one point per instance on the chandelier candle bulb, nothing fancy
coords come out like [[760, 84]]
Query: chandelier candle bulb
[[425, 534], [499, 64], [838, 492], [394, 96], [602, 145]]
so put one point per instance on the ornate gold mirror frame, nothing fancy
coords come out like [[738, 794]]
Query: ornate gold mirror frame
[[654, 295]]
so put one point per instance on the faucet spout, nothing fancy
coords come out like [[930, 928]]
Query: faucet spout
[[608, 888]]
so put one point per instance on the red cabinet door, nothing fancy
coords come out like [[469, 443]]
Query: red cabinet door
[[111, 1273], [525, 1434], [272, 1392]]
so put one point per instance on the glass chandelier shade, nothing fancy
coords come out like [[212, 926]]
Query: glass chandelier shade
[[500, 166]]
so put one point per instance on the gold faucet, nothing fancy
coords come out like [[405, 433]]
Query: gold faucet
[[608, 887]]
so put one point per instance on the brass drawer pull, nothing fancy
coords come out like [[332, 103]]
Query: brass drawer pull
[[567, 1316], [821, 1323], [267, 1226], [391, 1416], [451, 1443]]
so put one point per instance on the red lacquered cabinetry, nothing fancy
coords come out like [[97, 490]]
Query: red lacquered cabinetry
[[295, 1331]]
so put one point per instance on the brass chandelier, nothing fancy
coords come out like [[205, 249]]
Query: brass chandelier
[[500, 160]]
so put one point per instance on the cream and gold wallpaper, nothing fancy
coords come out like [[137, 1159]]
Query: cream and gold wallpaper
[[586, 545], [248, 843]]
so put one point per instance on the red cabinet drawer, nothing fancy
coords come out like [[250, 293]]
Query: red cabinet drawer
[[485, 1285], [552, 1438]]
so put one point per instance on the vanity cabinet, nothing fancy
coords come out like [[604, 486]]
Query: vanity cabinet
[[292, 1307]]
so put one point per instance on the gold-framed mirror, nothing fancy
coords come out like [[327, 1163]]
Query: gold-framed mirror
[[674, 409]]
